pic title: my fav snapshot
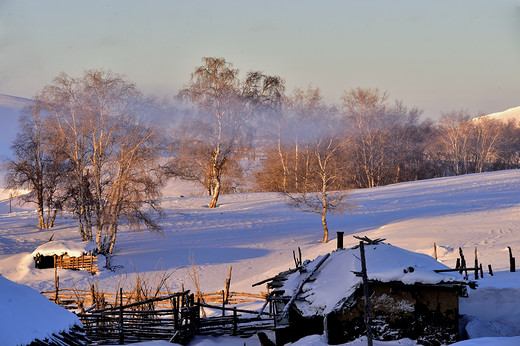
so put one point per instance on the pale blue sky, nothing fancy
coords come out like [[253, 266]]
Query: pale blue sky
[[436, 55]]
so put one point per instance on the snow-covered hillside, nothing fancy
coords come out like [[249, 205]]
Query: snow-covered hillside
[[256, 233]]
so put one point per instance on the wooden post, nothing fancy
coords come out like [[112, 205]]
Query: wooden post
[[235, 321], [297, 260], [490, 270], [340, 240], [175, 314], [476, 264], [512, 265], [481, 271], [463, 262], [368, 319], [227, 284], [197, 316], [223, 304], [121, 336], [56, 285], [435, 251]]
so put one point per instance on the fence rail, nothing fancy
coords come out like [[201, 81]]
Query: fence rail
[[82, 300]]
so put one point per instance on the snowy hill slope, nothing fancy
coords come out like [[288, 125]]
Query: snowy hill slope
[[257, 232], [10, 108]]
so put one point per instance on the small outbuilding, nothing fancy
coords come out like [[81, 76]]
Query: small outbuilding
[[76, 255], [410, 297]]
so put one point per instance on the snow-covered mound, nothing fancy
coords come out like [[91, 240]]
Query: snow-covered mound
[[26, 315]]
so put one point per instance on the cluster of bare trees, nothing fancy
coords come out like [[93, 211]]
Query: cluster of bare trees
[[83, 146], [315, 151], [464, 145]]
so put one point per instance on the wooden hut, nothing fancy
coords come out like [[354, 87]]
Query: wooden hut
[[409, 298], [67, 255]]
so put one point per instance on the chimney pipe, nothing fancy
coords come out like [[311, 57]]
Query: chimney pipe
[[340, 240]]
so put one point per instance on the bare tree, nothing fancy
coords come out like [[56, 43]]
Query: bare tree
[[508, 146], [486, 135], [322, 190], [36, 166], [453, 142]]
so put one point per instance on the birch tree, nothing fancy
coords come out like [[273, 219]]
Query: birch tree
[[219, 132], [94, 120], [452, 144], [321, 189], [36, 166]]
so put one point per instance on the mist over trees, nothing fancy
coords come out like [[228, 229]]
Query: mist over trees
[[85, 146]]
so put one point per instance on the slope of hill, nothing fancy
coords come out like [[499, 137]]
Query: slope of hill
[[256, 233], [10, 108]]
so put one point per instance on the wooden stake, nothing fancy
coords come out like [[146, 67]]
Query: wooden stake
[[512, 265], [462, 261], [490, 270], [226, 287], [476, 264], [121, 336], [435, 251], [368, 319], [223, 304], [56, 285]]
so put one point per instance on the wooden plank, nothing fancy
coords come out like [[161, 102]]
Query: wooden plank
[[300, 285]]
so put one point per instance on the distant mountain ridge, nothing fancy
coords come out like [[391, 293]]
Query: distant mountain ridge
[[511, 113], [13, 101]]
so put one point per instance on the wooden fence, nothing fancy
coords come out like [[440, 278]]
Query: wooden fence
[[84, 262], [142, 321], [174, 317]]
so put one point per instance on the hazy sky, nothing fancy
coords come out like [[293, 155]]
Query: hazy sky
[[436, 55]]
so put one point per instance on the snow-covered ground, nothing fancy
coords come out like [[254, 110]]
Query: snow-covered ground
[[255, 233]]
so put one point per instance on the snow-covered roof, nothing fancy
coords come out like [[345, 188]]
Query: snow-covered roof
[[61, 247], [335, 279], [26, 315]]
